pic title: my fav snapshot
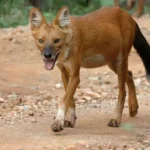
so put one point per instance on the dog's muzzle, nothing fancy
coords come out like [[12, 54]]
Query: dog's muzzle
[[50, 60], [47, 55]]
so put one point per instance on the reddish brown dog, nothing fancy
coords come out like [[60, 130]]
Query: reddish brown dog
[[103, 37], [130, 4]]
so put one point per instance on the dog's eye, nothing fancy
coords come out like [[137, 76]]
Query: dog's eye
[[56, 41], [41, 41]]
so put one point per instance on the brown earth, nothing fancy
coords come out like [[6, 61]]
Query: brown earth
[[29, 95]]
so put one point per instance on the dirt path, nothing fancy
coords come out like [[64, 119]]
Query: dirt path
[[90, 130], [29, 95]]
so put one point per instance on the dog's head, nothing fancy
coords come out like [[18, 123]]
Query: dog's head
[[50, 38]]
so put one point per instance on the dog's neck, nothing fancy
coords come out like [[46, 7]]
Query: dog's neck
[[67, 47]]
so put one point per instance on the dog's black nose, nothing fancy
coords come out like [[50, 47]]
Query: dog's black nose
[[47, 55]]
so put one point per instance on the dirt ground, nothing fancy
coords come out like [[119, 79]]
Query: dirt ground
[[29, 96]]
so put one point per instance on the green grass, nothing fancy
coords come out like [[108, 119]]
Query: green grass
[[15, 12]]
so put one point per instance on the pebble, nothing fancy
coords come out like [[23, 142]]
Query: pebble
[[33, 120], [13, 96], [46, 103], [47, 97], [107, 82], [138, 82], [58, 85], [93, 94], [81, 101], [25, 107], [94, 78], [1, 100], [88, 98], [77, 146], [31, 113], [147, 142]]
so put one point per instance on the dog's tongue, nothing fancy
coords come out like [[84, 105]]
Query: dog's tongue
[[49, 64]]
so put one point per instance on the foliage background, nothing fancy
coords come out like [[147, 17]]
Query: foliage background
[[15, 12]]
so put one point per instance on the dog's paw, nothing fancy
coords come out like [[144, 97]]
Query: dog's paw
[[68, 124], [58, 125], [70, 118], [114, 123], [133, 110]]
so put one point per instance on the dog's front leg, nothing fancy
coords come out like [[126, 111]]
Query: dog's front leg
[[73, 82], [70, 117]]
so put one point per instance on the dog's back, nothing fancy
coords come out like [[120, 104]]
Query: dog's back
[[105, 31]]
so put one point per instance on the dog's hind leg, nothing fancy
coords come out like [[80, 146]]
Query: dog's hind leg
[[120, 67], [133, 103], [132, 100]]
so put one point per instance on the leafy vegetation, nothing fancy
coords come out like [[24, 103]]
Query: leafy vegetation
[[15, 12]]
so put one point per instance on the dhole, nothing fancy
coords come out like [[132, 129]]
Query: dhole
[[103, 37], [130, 4]]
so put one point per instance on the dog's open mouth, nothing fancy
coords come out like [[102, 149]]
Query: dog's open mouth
[[50, 63]]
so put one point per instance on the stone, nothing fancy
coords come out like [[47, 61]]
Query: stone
[[31, 113], [1, 100], [81, 101], [77, 146], [93, 94], [33, 120], [88, 98], [138, 82], [58, 85]]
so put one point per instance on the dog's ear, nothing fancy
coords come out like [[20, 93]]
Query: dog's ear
[[62, 18], [36, 19]]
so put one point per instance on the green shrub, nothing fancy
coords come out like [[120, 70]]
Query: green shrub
[[15, 12]]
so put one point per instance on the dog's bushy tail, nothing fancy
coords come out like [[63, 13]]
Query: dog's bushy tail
[[143, 49]]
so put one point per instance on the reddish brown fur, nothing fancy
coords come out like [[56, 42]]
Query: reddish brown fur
[[103, 37]]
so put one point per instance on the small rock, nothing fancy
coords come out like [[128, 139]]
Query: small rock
[[13, 96], [93, 94], [87, 98], [94, 78], [100, 148], [10, 38], [31, 113], [147, 142], [18, 30], [125, 146], [33, 120], [138, 82], [58, 85], [77, 146], [1, 100], [107, 82], [16, 41], [112, 147], [81, 101], [45, 103], [47, 97]]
